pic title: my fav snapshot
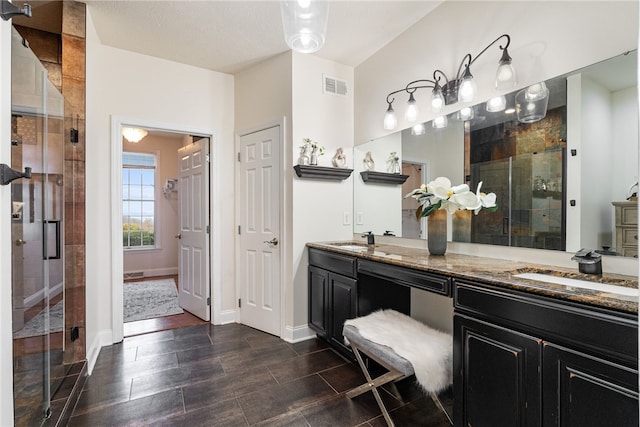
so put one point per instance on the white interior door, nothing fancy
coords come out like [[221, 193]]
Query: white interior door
[[193, 237], [258, 268]]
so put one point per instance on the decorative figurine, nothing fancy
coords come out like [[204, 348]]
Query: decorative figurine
[[340, 159], [368, 162]]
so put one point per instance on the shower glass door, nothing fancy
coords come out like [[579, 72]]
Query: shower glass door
[[37, 236]]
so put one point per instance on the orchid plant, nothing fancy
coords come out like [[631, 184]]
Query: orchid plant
[[440, 194]]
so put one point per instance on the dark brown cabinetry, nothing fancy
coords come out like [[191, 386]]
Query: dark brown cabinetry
[[523, 360], [332, 295]]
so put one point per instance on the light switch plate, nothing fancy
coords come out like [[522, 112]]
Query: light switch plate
[[346, 218], [359, 217]]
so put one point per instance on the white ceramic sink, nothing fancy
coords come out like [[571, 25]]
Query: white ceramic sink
[[601, 287], [353, 247]]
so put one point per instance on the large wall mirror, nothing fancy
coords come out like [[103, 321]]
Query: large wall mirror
[[563, 182]]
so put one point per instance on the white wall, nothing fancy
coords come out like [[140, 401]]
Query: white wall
[[318, 206], [6, 338], [179, 97], [163, 260]]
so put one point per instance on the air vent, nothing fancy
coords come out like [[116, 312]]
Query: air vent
[[334, 86], [134, 275]]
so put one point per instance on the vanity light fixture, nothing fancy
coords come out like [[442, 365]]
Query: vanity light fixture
[[461, 88], [465, 114], [304, 23], [133, 134], [390, 119]]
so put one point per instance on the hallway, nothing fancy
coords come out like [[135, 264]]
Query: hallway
[[233, 375]]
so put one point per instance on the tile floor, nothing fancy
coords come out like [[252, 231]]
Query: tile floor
[[233, 375]]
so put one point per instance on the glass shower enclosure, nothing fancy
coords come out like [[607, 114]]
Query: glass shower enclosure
[[38, 141]]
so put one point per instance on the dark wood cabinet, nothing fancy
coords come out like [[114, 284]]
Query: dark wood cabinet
[[498, 381], [343, 305], [319, 300], [523, 360], [586, 391], [333, 296]]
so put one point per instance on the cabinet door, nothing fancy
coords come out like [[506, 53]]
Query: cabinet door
[[584, 391], [343, 302], [319, 300], [496, 376]]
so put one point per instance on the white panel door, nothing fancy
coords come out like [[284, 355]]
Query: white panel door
[[193, 247], [258, 268]]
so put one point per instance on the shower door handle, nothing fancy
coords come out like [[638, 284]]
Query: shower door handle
[[7, 174]]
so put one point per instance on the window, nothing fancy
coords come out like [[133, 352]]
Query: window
[[138, 200]]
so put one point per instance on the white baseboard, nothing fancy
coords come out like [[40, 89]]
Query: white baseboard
[[153, 272], [298, 333], [225, 317], [102, 339], [34, 299]]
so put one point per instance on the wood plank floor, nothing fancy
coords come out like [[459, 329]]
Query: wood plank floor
[[233, 375]]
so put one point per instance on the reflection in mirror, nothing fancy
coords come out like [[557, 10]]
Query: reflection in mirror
[[556, 179]]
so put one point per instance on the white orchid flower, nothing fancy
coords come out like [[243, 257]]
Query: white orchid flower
[[484, 200]]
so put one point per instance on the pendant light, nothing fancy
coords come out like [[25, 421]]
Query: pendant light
[[304, 23], [133, 134]]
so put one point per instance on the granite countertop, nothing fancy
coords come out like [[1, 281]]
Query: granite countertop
[[497, 272]]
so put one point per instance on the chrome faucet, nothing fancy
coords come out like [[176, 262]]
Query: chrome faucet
[[589, 261], [370, 237]]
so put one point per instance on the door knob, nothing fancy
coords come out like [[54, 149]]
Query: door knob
[[20, 242], [178, 236], [273, 241]]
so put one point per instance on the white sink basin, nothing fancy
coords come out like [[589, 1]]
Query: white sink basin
[[601, 287], [353, 247]]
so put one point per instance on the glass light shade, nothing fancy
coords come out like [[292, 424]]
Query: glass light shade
[[465, 113], [506, 76], [133, 134], [304, 23], [440, 122], [496, 104], [467, 87], [411, 113], [418, 129], [531, 103], [536, 91], [390, 119], [437, 100]]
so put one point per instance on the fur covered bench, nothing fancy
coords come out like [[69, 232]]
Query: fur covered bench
[[404, 347]]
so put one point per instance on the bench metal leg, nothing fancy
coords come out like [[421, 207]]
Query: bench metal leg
[[436, 400], [373, 384]]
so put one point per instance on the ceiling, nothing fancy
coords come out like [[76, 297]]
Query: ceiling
[[231, 35]]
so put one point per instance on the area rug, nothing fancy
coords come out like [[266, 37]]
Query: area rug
[[150, 299], [35, 326]]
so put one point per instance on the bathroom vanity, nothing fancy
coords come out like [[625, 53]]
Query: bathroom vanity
[[527, 352]]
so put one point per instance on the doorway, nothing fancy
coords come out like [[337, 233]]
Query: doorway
[[160, 172], [149, 223]]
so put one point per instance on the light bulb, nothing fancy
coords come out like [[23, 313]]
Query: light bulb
[[411, 114], [304, 3], [437, 100], [418, 129], [390, 119], [465, 114], [467, 89], [440, 122], [496, 104], [506, 73]]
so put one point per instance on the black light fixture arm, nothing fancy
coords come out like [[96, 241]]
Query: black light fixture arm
[[504, 49], [8, 10], [466, 62]]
